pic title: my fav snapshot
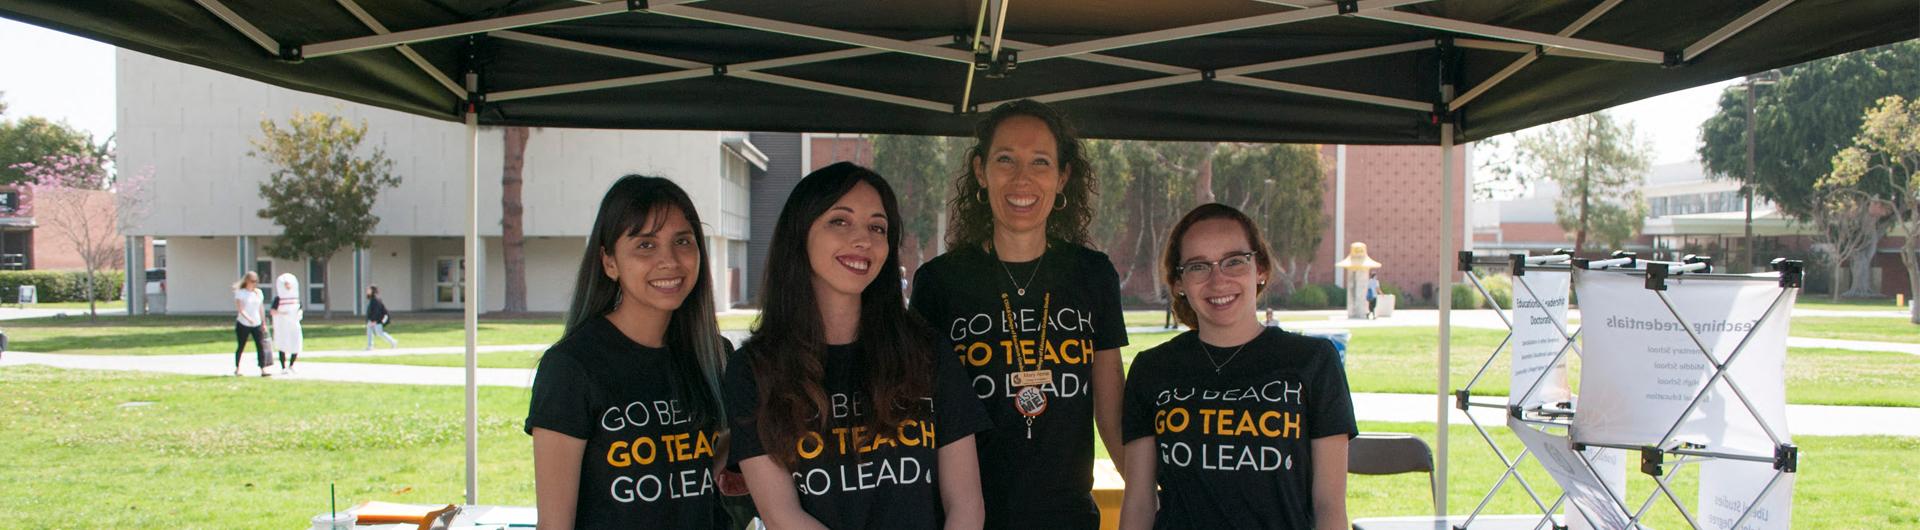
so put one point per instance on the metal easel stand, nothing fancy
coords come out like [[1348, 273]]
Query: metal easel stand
[[1517, 264], [1785, 457]]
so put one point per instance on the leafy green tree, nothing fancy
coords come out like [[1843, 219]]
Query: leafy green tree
[[1160, 188], [1801, 122], [1599, 164], [324, 189], [1886, 155], [33, 139], [1280, 186], [921, 170]]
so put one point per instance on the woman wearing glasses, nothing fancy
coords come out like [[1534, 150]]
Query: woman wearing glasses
[[1239, 425]]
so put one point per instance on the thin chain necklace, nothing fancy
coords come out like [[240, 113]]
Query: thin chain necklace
[[1020, 289], [1221, 365]]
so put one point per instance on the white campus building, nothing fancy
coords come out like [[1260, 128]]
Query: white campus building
[[192, 127]]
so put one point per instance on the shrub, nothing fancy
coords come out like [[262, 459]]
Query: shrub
[[60, 286], [1309, 297], [1336, 296], [1466, 297], [1500, 287]]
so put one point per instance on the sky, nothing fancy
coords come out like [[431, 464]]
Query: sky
[[72, 79]]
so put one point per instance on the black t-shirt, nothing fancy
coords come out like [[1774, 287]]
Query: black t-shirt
[[1235, 445], [887, 482], [648, 461], [1045, 481]]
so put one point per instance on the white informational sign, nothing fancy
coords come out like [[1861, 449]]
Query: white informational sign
[[1537, 338], [29, 294], [1597, 496], [1611, 467], [1726, 486], [1639, 369]]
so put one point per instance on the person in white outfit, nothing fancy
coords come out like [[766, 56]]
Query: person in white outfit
[[287, 311]]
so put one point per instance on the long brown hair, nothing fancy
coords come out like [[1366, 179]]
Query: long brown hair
[[972, 219], [635, 205], [1170, 260], [787, 353]]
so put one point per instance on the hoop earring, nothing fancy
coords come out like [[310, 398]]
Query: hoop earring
[[1059, 202], [980, 195]]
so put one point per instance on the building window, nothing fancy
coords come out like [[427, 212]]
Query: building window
[[9, 202], [16, 249], [316, 281]]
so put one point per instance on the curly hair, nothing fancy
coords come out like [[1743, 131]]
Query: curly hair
[[971, 222]]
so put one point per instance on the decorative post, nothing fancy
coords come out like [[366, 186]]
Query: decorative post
[[1355, 268]]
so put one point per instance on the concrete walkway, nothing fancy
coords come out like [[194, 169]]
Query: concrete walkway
[[1820, 420], [16, 312]]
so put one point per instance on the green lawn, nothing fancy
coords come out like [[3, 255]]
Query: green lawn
[[1140, 318], [1401, 360], [224, 452], [1806, 301], [739, 322], [82, 306], [167, 335], [1398, 359], [1857, 328]]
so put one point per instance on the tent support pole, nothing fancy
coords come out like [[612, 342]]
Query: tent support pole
[[1443, 291], [470, 291]]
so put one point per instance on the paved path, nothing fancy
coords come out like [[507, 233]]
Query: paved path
[[16, 313], [1804, 419]]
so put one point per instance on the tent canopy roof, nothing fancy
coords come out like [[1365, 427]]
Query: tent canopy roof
[[1365, 72]]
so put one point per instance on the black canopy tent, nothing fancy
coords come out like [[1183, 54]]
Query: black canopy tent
[[1419, 72]]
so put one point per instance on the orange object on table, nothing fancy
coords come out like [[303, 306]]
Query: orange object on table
[[377, 512]]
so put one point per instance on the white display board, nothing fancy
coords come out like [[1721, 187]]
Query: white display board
[[1600, 497], [1537, 338], [1639, 369]]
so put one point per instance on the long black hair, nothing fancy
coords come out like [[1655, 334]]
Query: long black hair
[[787, 350], [972, 219], [636, 205]]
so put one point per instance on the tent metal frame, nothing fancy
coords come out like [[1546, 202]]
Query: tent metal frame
[[1785, 457], [1531, 45]]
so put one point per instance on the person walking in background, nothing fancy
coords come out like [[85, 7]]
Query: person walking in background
[[247, 322], [1373, 294], [377, 318], [287, 311]]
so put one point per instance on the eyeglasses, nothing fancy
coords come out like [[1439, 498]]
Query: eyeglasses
[[1234, 266]]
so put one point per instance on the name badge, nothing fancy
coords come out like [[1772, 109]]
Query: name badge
[[1032, 378]]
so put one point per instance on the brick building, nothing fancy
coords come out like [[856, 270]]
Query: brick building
[[1391, 203]]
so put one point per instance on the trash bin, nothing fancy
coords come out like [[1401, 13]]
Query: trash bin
[[1338, 336], [1383, 306]]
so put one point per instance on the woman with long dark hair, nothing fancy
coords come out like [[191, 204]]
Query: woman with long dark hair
[[625, 416], [1238, 424], [836, 397], [1033, 313]]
